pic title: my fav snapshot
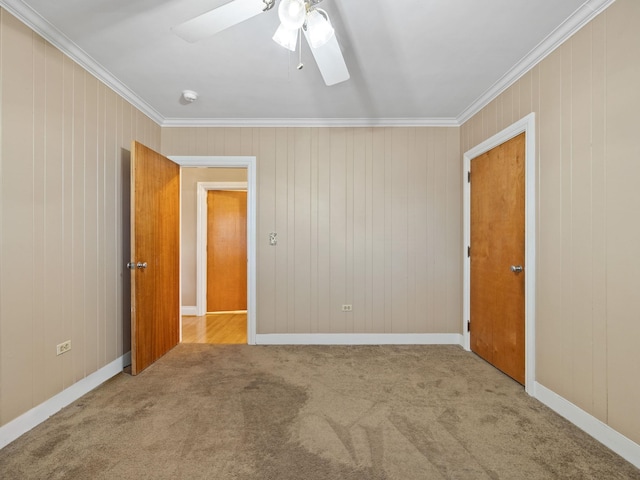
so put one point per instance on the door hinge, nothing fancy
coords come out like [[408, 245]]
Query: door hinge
[[469, 251], [468, 325], [469, 176]]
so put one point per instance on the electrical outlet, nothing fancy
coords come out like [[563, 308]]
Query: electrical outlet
[[63, 347], [347, 308]]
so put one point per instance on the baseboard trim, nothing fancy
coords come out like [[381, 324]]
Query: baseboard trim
[[189, 311], [32, 418], [623, 446], [359, 339]]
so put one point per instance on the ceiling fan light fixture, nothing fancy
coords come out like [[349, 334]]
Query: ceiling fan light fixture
[[319, 28], [286, 37], [292, 13]]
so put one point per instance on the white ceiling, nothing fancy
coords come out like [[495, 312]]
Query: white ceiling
[[411, 61]]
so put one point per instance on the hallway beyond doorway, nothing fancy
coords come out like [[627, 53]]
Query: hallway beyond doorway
[[215, 328]]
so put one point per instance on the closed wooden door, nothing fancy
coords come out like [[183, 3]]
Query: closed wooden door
[[155, 256], [497, 257], [226, 250]]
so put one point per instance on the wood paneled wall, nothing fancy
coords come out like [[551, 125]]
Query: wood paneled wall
[[364, 216], [64, 153], [587, 99]]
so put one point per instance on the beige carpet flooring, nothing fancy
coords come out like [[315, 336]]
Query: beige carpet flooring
[[313, 413]]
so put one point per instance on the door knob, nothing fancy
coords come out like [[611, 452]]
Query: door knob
[[516, 268], [139, 265]]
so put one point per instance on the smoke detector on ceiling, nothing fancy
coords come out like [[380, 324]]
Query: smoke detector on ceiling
[[190, 96]]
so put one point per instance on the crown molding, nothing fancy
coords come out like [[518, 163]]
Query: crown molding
[[40, 25], [50, 33], [310, 122], [54, 36], [583, 15]]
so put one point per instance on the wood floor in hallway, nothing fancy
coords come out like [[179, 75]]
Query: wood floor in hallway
[[215, 328]]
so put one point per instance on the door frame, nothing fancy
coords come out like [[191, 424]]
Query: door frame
[[201, 238], [248, 162], [528, 126]]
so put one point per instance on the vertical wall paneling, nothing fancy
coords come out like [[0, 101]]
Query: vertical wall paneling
[[365, 216], [524, 100], [378, 241], [39, 201], [281, 279], [581, 245], [506, 109], [266, 224], [420, 232], [50, 232], [586, 99], [301, 216], [454, 233], [440, 239], [359, 227], [370, 192], [430, 219], [78, 287], [566, 211], [314, 232], [101, 230], [1, 198], [91, 223], [349, 231], [387, 222], [622, 171], [324, 231], [338, 229], [598, 218], [412, 207], [111, 235], [549, 301], [232, 140], [63, 140], [67, 256], [289, 248], [398, 220], [18, 215]]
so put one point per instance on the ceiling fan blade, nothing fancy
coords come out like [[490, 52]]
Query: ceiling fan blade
[[330, 61], [218, 19]]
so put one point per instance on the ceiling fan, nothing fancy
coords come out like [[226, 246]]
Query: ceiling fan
[[297, 18]]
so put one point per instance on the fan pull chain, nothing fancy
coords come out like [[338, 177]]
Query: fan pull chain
[[300, 64]]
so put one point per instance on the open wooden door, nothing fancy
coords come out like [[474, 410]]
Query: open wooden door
[[497, 257], [155, 256]]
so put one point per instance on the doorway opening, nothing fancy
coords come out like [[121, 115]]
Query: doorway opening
[[526, 126], [248, 163], [221, 265]]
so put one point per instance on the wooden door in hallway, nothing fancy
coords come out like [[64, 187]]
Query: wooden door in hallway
[[497, 257], [226, 250], [155, 256]]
